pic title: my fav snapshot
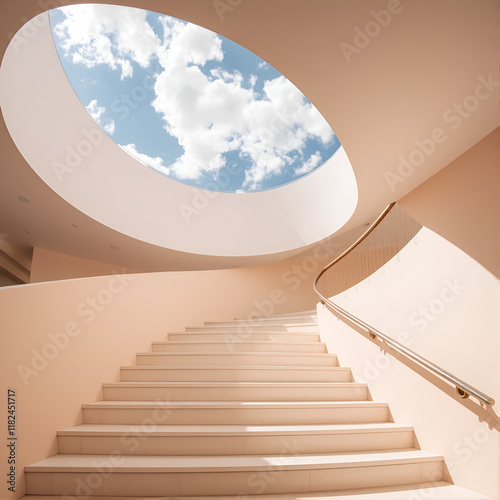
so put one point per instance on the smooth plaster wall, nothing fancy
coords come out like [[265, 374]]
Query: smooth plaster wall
[[461, 202], [291, 274], [442, 304], [100, 324], [69, 152], [52, 266]]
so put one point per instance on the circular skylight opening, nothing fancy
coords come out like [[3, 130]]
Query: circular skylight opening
[[187, 102], [65, 148]]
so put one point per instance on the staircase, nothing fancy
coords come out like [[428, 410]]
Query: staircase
[[227, 410]]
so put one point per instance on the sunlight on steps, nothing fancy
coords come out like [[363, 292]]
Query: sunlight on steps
[[236, 410]]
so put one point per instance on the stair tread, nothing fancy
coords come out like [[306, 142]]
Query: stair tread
[[306, 315], [285, 324], [243, 342], [279, 317], [296, 318], [306, 320], [307, 311], [251, 354], [234, 336], [237, 384], [274, 331], [236, 404], [237, 367], [238, 331], [438, 490], [228, 430], [162, 463]]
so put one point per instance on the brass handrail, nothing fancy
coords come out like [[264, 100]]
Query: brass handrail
[[355, 244], [463, 389]]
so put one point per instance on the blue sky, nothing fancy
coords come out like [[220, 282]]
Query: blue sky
[[187, 102]]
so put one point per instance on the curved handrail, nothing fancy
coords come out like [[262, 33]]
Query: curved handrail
[[354, 245], [463, 389]]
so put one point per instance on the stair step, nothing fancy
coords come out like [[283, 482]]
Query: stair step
[[239, 412], [238, 337], [147, 475], [246, 328], [435, 490], [199, 440], [238, 408], [216, 347], [240, 359], [312, 312], [235, 391], [235, 373], [310, 320]]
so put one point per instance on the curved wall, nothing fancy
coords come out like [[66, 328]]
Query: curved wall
[[461, 202], [61, 340], [440, 303], [84, 166]]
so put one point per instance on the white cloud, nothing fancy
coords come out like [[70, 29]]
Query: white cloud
[[109, 127], [97, 112], [104, 34], [212, 115], [263, 64], [209, 114], [156, 163], [313, 161]]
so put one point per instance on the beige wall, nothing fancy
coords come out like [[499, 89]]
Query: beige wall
[[461, 202], [61, 340], [53, 266], [442, 304]]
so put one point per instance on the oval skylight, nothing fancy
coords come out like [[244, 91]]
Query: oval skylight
[[187, 102]]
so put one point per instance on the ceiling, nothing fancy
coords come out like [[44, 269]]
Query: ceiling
[[397, 86]]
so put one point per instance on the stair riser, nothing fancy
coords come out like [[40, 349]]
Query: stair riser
[[235, 360], [235, 394], [245, 329], [435, 490], [142, 444], [234, 374], [276, 479], [226, 416], [236, 338], [284, 316], [238, 347], [265, 322]]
